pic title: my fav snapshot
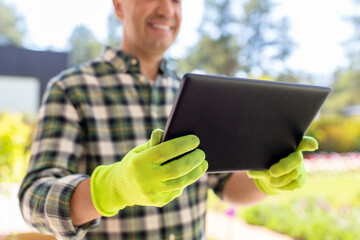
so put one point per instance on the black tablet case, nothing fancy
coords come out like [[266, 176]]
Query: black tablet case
[[243, 123]]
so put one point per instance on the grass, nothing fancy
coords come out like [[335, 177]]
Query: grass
[[327, 207], [340, 188]]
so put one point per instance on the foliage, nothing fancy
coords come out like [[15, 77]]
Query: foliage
[[345, 91], [352, 46], [336, 133], [346, 85], [287, 76], [218, 49], [11, 26], [226, 50], [307, 213], [307, 219], [14, 142], [295, 77], [262, 34], [316, 211], [238, 38], [84, 46]]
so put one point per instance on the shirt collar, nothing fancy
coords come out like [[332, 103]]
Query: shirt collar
[[127, 63]]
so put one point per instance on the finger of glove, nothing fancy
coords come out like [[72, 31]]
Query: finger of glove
[[297, 183], [164, 198], [182, 166], [188, 179], [155, 138], [256, 174], [288, 178], [170, 149], [140, 148], [307, 144], [264, 187], [286, 165]]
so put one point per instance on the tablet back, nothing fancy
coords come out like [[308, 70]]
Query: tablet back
[[243, 124]]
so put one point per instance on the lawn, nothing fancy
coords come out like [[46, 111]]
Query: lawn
[[327, 207], [340, 188]]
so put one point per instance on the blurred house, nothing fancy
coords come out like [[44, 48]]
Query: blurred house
[[23, 76]]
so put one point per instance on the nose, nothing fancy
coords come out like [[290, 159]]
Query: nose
[[166, 8]]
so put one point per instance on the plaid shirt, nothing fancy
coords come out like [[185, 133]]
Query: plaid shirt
[[94, 114]]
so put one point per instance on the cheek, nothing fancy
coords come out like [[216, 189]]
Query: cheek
[[179, 18]]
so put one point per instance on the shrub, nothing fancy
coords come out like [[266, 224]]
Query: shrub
[[307, 219], [326, 208], [336, 134], [14, 147]]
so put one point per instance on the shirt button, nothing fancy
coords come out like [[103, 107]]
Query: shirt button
[[172, 236], [133, 61], [142, 79]]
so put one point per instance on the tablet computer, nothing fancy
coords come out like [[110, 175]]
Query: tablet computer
[[243, 124]]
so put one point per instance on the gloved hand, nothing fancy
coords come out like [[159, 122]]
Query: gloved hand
[[286, 175], [141, 178]]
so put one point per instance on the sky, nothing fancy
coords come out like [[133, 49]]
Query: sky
[[318, 27]]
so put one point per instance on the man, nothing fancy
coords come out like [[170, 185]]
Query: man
[[92, 156]]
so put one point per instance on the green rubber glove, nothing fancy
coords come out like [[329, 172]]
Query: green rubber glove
[[141, 178], [286, 175]]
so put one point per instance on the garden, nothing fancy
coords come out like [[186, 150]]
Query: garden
[[252, 38], [327, 207]]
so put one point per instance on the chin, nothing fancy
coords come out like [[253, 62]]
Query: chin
[[160, 47]]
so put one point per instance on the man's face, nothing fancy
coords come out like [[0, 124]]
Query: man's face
[[149, 25]]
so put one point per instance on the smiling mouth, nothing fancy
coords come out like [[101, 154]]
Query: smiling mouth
[[160, 26]]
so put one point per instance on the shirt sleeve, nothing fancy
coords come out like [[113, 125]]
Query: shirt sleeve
[[45, 192], [217, 182]]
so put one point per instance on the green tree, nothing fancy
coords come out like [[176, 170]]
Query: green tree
[[14, 142], [214, 56], [83, 45], [352, 46], [295, 77], [345, 91], [346, 85], [12, 28], [217, 51], [265, 40], [239, 37]]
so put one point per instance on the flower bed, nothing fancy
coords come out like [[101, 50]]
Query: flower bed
[[327, 207], [307, 219], [332, 162]]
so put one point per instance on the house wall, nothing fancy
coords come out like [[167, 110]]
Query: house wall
[[19, 94], [25, 73]]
